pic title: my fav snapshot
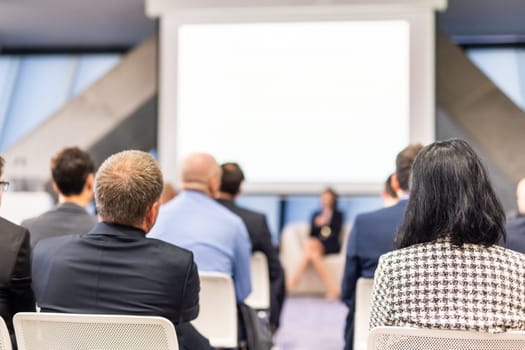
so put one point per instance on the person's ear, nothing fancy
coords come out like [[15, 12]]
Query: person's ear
[[55, 188], [394, 182], [89, 182], [151, 215], [214, 184]]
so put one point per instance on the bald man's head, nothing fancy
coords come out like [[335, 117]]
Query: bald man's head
[[201, 172], [520, 194]]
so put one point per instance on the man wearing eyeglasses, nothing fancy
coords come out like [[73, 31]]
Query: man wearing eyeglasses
[[16, 294]]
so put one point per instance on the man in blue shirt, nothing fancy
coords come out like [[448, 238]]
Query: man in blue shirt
[[195, 221]]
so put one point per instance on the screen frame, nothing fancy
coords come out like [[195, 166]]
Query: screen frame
[[422, 107]]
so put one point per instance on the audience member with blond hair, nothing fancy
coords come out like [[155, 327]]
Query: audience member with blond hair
[[115, 269]]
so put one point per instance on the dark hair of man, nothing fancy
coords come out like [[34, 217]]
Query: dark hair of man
[[231, 179], [451, 196], [404, 161], [2, 162], [388, 187], [70, 168], [334, 195]]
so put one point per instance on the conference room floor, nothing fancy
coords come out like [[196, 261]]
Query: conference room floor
[[309, 323]]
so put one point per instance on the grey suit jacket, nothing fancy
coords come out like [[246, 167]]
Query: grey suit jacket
[[65, 219]]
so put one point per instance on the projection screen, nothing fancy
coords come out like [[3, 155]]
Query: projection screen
[[300, 100]]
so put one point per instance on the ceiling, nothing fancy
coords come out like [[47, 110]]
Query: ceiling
[[73, 23], [122, 23]]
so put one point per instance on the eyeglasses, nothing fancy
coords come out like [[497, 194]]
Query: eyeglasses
[[4, 185]]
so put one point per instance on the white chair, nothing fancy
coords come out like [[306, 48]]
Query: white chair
[[406, 338], [293, 238], [217, 318], [363, 301], [259, 298], [50, 331], [5, 339]]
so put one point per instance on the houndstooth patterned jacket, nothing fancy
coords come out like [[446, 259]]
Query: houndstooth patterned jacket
[[439, 285]]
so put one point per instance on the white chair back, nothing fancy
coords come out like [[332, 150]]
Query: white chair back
[[217, 318], [5, 339], [259, 298], [50, 331], [406, 338], [363, 301]]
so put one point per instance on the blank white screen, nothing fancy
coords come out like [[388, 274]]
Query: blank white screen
[[323, 102]]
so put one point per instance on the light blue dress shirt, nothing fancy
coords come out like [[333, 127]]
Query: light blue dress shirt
[[217, 237]]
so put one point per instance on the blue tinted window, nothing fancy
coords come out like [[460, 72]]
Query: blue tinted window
[[33, 88], [505, 67], [8, 70], [90, 68], [41, 88]]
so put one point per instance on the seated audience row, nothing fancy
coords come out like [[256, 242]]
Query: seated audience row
[[441, 265]]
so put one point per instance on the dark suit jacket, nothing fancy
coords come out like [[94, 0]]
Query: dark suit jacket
[[115, 269], [261, 240], [65, 219], [372, 235], [332, 243], [15, 272], [516, 234]]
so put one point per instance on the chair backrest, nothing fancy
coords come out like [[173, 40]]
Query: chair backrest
[[217, 318], [50, 331], [5, 339], [406, 338], [259, 298], [363, 300]]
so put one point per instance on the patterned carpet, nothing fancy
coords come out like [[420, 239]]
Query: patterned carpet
[[311, 324]]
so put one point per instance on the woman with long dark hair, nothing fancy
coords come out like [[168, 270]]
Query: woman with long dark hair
[[449, 272]]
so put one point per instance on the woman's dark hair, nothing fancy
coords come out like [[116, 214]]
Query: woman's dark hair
[[334, 195], [451, 196]]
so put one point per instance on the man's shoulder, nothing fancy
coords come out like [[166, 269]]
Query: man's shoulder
[[516, 225], [394, 212], [169, 248], [225, 214], [45, 217], [9, 225], [247, 214], [10, 229], [55, 213]]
